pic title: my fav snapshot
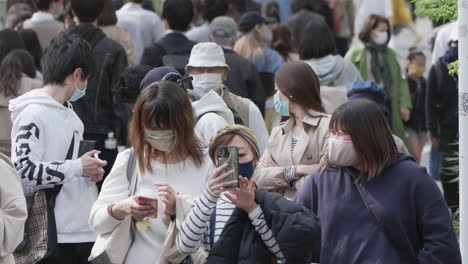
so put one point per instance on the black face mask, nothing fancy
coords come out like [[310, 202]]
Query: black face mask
[[246, 170]]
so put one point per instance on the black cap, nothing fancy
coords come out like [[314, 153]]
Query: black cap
[[250, 19]]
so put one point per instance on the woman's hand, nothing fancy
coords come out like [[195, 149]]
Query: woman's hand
[[244, 196], [216, 184], [168, 197], [131, 207]]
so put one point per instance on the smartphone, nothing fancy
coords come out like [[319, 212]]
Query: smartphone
[[148, 201], [229, 155], [86, 146]]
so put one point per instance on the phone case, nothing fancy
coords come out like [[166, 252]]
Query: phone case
[[230, 156]]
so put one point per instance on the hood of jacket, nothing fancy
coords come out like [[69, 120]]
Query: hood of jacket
[[212, 103], [37, 96], [327, 68]]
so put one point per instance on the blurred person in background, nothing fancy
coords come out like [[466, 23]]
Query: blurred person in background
[[169, 160], [335, 74], [282, 9], [378, 63], [100, 110], [129, 83], [296, 146], [284, 43], [13, 211], [174, 48], [305, 11], [344, 14], [146, 4], [207, 66], [43, 22], [416, 127], [107, 22], [443, 120], [32, 45], [366, 8], [210, 9], [17, 14], [227, 219], [243, 78], [18, 77], [144, 26], [367, 195]]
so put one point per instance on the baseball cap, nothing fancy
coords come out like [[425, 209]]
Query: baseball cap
[[223, 27], [250, 19]]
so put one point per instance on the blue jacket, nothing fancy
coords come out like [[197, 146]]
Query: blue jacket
[[408, 203]]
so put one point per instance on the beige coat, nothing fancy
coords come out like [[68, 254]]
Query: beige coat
[[122, 37], [311, 145], [27, 84], [13, 212], [45, 30]]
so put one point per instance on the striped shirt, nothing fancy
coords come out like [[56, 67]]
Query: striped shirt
[[293, 144], [195, 231]]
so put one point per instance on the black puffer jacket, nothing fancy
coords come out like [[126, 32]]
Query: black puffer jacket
[[100, 109], [295, 228]]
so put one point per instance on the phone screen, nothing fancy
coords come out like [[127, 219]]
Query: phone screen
[[86, 146], [229, 155]]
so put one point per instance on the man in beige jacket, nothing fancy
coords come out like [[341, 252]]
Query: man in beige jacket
[[43, 21], [13, 211]]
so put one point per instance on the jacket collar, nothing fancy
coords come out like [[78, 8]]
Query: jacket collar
[[312, 118]]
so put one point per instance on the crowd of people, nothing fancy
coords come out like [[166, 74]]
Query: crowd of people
[[113, 121]]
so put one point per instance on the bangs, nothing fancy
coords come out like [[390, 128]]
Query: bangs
[[338, 123]]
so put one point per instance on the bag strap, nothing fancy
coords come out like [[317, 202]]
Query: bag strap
[[131, 171], [212, 227], [400, 251]]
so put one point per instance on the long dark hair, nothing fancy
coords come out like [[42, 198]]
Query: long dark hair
[[372, 138], [33, 45], [283, 41], [313, 47], [107, 16], [298, 81], [10, 40], [12, 67], [164, 105]]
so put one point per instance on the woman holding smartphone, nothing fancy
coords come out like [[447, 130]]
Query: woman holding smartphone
[[169, 159], [224, 217]]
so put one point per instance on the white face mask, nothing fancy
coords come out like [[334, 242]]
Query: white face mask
[[162, 140], [206, 82], [341, 153], [381, 38]]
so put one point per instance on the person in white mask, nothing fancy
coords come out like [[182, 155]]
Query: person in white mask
[[207, 66], [169, 160], [378, 205], [379, 64]]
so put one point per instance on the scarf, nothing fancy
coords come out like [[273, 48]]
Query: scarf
[[379, 65]]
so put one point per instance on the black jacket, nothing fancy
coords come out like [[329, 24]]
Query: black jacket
[[243, 79], [100, 109], [418, 119], [296, 230], [172, 43], [443, 104]]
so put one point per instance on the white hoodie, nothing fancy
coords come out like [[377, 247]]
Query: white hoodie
[[212, 115], [42, 133]]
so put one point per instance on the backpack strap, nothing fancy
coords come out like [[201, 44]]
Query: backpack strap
[[131, 171]]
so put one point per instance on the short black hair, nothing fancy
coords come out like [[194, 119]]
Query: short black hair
[[178, 14], [313, 47], [212, 9], [107, 16], [87, 11], [44, 5], [129, 82], [10, 40], [31, 41], [64, 55]]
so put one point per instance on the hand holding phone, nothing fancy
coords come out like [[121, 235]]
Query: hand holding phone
[[229, 156], [153, 203]]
